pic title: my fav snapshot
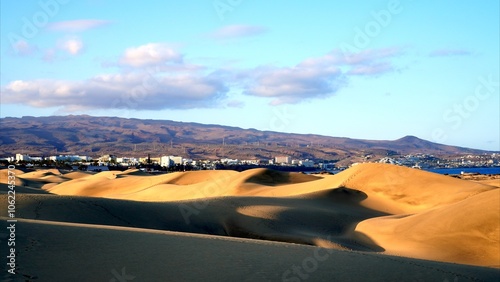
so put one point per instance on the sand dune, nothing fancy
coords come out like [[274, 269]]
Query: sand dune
[[374, 212], [77, 174], [4, 173], [53, 251], [40, 173], [465, 232], [412, 190], [392, 189]]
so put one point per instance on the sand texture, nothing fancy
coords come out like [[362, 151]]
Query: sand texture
[[372, 222]]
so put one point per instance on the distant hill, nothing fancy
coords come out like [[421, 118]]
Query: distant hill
[[95, 136]]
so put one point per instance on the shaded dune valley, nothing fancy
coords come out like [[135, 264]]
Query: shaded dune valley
[[371, 222]]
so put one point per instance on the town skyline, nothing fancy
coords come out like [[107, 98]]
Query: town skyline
[[375, 70], [93, 137]]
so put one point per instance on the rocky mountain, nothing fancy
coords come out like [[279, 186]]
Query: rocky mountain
[[94, 136]]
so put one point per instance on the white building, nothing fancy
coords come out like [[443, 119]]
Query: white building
[[229, 161], [9, 159], [168, 161], [306, 163], [188, 162], [283, 160], [177, 160], [126, 161], [70, 158], [21, 157], [107, 158], [165, 161], [387, 160], [251, 162]]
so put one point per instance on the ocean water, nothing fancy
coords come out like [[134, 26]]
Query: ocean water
[[481, 170]]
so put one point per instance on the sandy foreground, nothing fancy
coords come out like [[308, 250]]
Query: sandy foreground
[[372, 222]]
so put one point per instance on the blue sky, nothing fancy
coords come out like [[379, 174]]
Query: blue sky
[[361, 69]]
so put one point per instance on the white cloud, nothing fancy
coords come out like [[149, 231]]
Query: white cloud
[[291, 85], [139, 91], [371, 55], [160, 79], [316, 77], [365, 57], [150, 54], [73, 46]]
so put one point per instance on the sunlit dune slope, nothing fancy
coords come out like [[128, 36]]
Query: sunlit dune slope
[[412, 190], [464, 232], [393, 189]]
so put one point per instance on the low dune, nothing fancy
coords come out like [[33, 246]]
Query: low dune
[[37, 174], [77, 174], [13, 173], [395, 217]]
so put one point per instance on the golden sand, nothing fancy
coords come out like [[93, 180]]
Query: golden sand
[[369, 217]]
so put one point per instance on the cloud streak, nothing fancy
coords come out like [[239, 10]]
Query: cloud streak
[[149, 55], [371, 69]]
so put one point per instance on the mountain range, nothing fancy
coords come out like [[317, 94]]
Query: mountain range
[[95, 136]]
